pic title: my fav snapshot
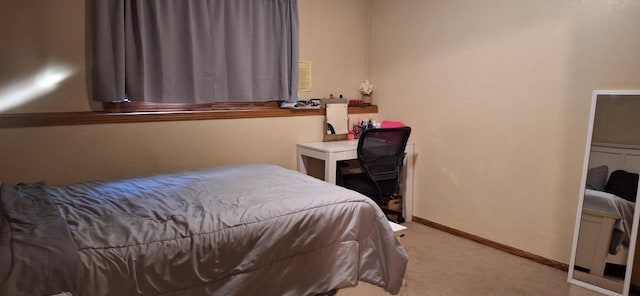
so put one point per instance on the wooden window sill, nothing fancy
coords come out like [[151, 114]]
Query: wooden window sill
[[94, 117]]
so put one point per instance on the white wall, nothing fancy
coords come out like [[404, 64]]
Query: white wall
[[498, 95], [35, 34]]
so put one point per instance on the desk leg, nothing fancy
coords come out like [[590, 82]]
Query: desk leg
[[301, 167], [330, 168], [407, 194]]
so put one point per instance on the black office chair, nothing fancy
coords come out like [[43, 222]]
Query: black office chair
[[380, 154]]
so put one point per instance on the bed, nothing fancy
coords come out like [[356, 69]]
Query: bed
[[237, 230], [608, 207]]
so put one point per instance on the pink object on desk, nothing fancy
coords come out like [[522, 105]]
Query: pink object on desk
[[391, 124]]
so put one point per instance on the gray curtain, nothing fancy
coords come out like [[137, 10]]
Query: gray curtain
[[194, 51]]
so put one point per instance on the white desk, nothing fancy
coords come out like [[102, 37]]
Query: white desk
[[331, 152]]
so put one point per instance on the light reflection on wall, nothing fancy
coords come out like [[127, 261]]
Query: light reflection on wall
[[33, 87]]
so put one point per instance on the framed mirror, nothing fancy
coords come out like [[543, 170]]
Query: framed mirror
[[604, 240], [336, 123]]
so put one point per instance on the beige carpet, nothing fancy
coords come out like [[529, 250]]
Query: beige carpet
[[444, 264]]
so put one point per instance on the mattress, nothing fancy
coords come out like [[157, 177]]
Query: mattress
[[238, 230]]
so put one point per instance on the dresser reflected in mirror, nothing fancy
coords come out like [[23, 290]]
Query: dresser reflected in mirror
[[606, 222]]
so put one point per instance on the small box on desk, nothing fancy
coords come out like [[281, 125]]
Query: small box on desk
[[394, 204]]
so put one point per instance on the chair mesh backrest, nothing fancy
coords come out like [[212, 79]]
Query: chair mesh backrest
[[381, 153]]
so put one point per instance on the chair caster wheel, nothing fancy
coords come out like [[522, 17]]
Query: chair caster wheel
[[400, 220]]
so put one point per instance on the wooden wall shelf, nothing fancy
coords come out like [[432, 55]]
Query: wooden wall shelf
[[91, 117]]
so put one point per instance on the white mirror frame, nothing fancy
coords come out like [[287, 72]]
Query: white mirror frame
[[636, 214]]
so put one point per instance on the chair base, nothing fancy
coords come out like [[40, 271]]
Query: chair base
[[394, 216]]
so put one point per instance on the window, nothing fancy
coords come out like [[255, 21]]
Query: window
[[193, 52]]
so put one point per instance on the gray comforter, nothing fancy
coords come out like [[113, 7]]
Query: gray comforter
[[239, 230]]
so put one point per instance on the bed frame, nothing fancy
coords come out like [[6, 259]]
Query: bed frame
[[596, 227], [366, 289]]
